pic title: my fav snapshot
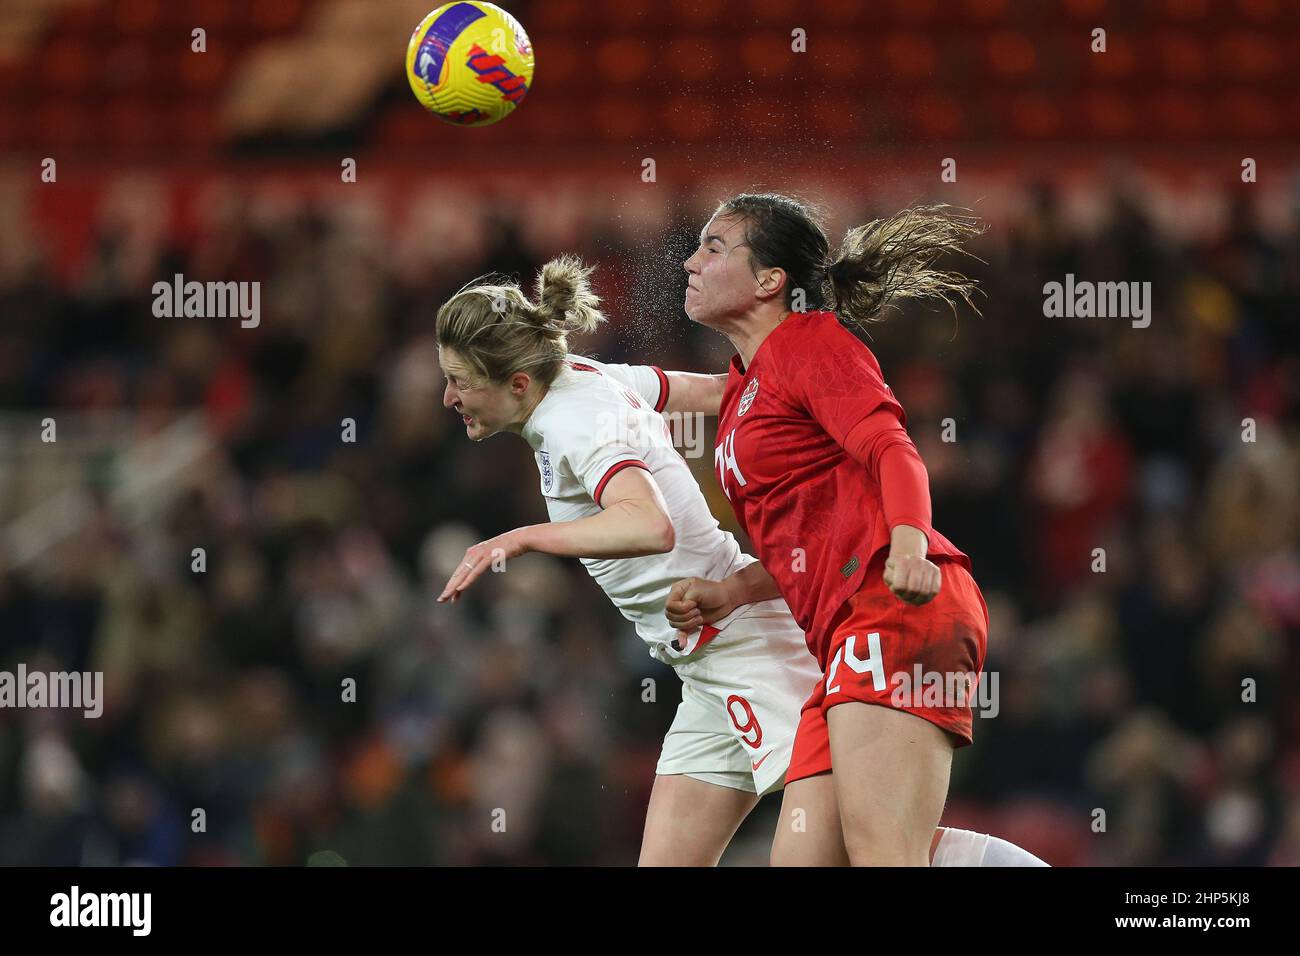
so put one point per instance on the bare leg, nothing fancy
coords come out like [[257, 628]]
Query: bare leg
[[690, 822], [808, 832], [891, 782]]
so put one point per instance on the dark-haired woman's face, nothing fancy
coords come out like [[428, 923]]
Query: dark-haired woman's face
[[721, 281]]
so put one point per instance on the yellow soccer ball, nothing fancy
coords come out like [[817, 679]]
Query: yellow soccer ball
[[470, 63]]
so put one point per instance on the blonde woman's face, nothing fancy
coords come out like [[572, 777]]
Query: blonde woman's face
[[485, 408], [720, 279]]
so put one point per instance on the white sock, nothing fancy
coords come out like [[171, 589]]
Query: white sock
[[967, 848]]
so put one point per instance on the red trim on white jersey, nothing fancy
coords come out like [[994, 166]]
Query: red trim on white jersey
[[663, 388], [697, 640], [614, 470]]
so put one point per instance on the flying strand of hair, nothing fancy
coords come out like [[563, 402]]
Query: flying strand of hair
[[891, 259]]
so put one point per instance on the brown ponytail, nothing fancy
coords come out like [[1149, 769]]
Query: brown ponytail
[[892, 259]]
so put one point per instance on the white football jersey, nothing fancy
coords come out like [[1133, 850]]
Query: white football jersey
[[594, 421]]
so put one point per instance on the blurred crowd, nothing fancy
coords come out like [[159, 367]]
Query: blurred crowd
[[1130, 499]]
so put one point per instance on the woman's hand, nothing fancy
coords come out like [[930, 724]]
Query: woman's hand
[[481, 557], [694, 602], [912, 578], [908, 574]]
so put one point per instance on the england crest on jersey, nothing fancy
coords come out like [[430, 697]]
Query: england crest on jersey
[[747, 397], [548, 475]]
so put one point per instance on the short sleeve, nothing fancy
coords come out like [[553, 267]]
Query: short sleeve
[[648, 381], [836, 378], [594, 443]]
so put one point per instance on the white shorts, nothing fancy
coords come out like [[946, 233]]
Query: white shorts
[[741, 698]]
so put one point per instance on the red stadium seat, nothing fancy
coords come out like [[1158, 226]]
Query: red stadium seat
[[698, 13], [1247, 115], [764, 120], [1184, 58], [67, 68], [622, 60], [639, 15], [840, 117], [841, 13], [133, 126], [1117, 63], [404, 129], [937, 116], [987, 12], [768, 13], [910, 56], [693, 57], [193, 125], [215, 15], [1036, 116], [1086, 9], [130, 67], [1264, 12], [13, 132], [1248, 56], [837, 60], [1011, 55], [200, 74], [913, 13], [566, 65], [1108, 114], [689, 119], [1176, 115], [1188, 11], [554, 16], [277, 17], [767, 55], [137, 17], [622, 119], [15, 82]]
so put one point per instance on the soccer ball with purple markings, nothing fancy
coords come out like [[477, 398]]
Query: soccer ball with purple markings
[[470, 63]]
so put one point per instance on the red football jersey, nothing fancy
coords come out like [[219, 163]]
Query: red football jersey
[[813, 512]]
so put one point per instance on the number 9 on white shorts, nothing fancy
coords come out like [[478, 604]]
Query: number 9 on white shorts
[[741, 698]]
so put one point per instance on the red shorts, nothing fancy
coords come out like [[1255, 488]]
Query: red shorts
[[925, 660]]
